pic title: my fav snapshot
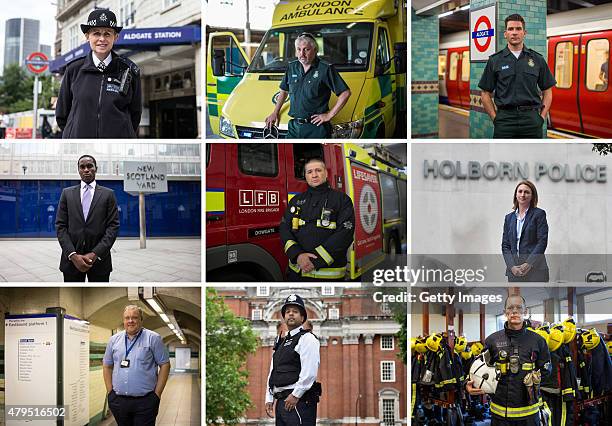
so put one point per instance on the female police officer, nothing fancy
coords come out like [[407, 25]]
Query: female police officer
[[100, 94]]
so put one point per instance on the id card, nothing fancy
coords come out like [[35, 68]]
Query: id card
[[125, 363]]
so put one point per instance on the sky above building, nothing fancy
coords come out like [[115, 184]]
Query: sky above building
[[43, 10]]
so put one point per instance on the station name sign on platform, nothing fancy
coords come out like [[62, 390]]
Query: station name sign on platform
[[144, 177], [491, 170], [482, 33]]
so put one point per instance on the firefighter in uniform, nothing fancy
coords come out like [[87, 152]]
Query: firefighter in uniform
[[317, 229], [309, 82], [522, 357], [100, 95], [517, 75], [293, 371]]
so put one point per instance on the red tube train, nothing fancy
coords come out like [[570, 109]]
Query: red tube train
[[579, 44]]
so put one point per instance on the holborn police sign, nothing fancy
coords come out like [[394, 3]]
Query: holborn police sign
[[491, 170]]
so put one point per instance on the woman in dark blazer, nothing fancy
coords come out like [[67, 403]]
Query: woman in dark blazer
[[525, 237]]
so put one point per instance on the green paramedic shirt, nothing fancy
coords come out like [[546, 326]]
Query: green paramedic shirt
[[309, 92], [516, 81]]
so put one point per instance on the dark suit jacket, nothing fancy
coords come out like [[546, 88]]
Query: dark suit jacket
[[534, 239], [97, 234]]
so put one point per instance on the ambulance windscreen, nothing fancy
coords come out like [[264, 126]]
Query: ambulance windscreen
[[347, 46]]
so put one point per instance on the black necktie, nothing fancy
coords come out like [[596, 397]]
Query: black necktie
[[102, 66]]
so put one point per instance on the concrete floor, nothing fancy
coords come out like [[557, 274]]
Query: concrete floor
[[164, 260], [180, 403], [454, 124]]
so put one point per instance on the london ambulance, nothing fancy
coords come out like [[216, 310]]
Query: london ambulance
[[249, 185], [364, 39]]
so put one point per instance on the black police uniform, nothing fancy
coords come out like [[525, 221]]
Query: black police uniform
[[511, 404], [91, 103], [309, 94], [319, 221], [517, 84]]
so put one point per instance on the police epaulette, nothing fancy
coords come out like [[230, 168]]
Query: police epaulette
[[133, 67]]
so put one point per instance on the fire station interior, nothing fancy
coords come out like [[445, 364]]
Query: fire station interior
[[173, 312], [454, 76], [547, 308]]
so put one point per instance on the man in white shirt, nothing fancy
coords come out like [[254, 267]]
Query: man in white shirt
[[293, 371]]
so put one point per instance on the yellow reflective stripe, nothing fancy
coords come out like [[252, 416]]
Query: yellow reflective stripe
[[332, 225], [215, 201], [325, 255], [566, 391], [528, 366], [294, 267], [514, 412], [449, 381], [568, 358], [413, 398], [288, 245], [563, 412]]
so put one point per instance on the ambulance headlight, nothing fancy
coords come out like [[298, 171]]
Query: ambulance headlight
[[348, 130], [226, 128]]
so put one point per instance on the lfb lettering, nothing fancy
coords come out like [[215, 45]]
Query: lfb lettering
[[257, 198]]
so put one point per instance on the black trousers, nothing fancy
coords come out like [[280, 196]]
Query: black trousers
[[92, 277], [134, 411], [562, 411], [308, 130], [531, 421], [534, 276], [304, 414], [512, 124]]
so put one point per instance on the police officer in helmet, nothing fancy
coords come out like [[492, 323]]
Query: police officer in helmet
[[100, 95], [517, 76], [293, 371], [522, 358], [317, 228]]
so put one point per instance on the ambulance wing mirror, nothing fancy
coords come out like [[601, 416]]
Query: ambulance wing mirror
[[401, 57], [218, 63]]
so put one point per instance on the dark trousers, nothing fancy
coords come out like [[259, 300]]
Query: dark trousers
[[562, 411], [534, 276], [304, 414], [512, 124], [308, 130], [92, 277], [134, 411], [531, 421]]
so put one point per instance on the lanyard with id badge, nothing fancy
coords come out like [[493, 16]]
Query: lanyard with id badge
[[126, 362]]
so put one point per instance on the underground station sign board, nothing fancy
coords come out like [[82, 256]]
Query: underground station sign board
[[37, 62], [482, 33]]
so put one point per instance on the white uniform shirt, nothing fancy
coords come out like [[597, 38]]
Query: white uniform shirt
[[308, 349]]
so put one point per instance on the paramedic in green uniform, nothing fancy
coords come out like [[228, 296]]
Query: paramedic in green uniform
[[309, 82], [517, 75]]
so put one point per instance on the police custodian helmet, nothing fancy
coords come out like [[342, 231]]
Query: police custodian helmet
[[294, 300], [101, 18]]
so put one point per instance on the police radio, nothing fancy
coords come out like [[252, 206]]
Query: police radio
[[126, 80]]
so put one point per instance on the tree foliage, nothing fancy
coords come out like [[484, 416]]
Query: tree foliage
[[229, 340], [16, 87], [603, 148]]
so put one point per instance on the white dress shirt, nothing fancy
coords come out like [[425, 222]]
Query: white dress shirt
[[308, 349], [106, 60], [93, 189]]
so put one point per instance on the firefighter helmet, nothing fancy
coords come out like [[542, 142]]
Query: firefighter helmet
[[590, 339], [544, 332], [483, 374], [609, 345], [555, 339], [476, 349], [569, 330], [420, 345], [460, 343], [433, 342], [466, 355]]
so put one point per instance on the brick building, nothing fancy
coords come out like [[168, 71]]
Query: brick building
[[364, 381]]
